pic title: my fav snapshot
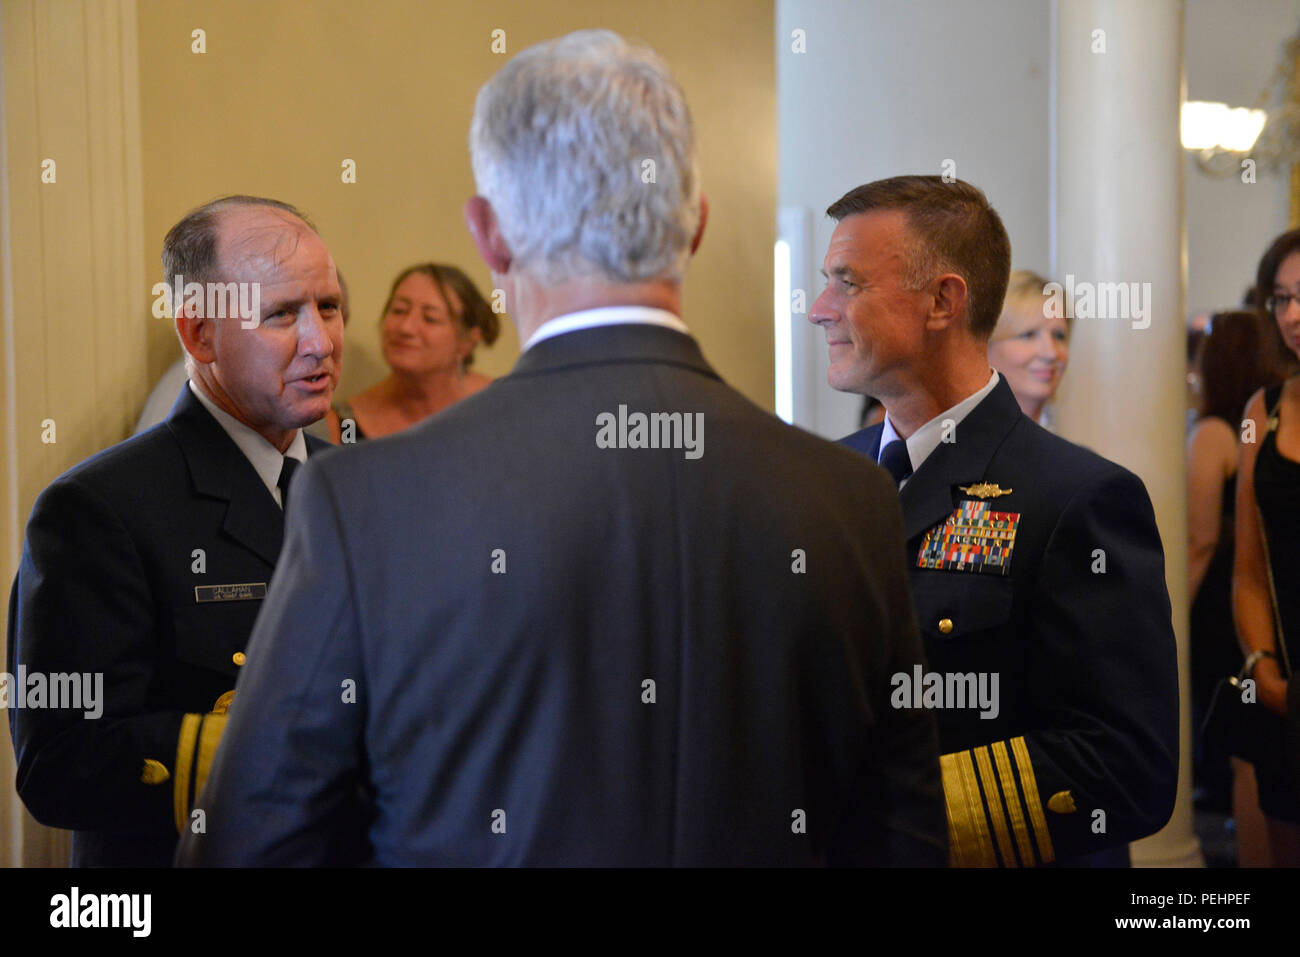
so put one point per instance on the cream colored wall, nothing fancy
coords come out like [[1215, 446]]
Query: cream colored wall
[[287, 90], [73, 313]]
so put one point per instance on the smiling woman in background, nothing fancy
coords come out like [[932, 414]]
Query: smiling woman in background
[[434, 319], [1029, 347]]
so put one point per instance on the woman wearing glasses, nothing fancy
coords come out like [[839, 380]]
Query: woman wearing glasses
[[1266, 573]]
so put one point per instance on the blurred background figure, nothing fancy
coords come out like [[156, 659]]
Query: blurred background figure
[[1029, 346], [1266, 569], [1233, 359], [873, 411], [163, 396], [433, 321]]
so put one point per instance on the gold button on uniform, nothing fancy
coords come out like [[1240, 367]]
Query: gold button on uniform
[[238, 658], [945, 626], [1062, 802]]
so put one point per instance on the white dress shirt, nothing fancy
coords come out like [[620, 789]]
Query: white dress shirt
[[262, 455], [605, 316], [926, 439]]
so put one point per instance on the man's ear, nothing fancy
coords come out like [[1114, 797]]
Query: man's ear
[[949, 305], [196, 335], [704, 218], [481, 219]]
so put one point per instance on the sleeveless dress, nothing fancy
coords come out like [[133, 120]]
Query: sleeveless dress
[[1277, 490], [1214, 653]]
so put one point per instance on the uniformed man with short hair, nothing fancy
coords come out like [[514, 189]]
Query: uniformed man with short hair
[[1036, 567]]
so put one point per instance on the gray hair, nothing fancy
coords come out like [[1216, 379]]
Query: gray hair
[[585, 148]]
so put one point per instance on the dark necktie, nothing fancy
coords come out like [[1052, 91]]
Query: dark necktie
[[286, 476], [895, 460]]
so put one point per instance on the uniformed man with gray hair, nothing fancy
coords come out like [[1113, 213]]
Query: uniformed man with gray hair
[[146, 564]]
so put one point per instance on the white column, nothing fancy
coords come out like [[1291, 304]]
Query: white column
[[1119, 208]]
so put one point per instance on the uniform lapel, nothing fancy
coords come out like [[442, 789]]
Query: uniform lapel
[[866, 441], [927, 498], [219, 470]]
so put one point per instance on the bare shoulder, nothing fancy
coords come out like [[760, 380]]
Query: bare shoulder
[[475, 382], [1255, 407], [365, 400], [1214, 432], [1214, 440], [1290, 392]]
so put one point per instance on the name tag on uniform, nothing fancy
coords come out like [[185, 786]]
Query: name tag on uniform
[[248, 591], [974, 538]]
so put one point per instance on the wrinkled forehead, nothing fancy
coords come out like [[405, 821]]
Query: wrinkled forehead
[[261, 240]]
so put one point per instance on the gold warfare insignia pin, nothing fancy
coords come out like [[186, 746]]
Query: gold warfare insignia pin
[[1062, 802], [985, 490]]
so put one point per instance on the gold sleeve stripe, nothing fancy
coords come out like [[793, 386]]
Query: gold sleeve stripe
[[994, 804], [1030, 790], [214, 725], [968, 830], [1019, 826], [184, 763]]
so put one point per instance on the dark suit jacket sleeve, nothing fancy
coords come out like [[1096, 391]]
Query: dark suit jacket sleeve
[[81, 604], [1100, 765], [895, 813], [288, 781]]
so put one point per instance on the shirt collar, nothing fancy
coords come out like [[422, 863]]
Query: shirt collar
[[261, 454], [605, 316], [927, 438]]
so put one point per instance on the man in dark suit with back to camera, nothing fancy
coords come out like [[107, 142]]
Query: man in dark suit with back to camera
[[606, 611], [147, 563], [1036, 567]]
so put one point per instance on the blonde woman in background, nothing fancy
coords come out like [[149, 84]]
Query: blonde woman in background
[[433, 321], [1030, 347]]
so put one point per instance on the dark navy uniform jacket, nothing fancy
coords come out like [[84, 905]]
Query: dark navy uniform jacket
[[107, 583], [493, 641], [1083, 752]]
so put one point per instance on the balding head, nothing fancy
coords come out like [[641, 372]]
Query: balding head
[[190, 248], [248, 235], [276, 373]]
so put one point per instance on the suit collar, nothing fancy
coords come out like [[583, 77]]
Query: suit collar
[[604, 345], [866, 441], [220, 470], [927, 496], [605, 316]]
